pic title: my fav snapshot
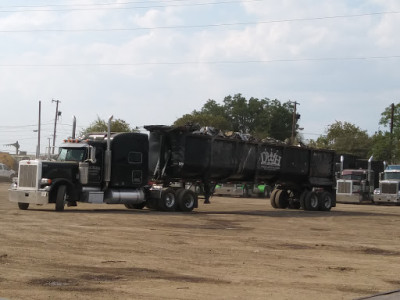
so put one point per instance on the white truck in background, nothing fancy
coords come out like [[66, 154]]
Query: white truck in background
[[389, 186]]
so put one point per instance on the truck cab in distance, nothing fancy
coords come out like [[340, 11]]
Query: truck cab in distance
[[354, 187], [389, 182]]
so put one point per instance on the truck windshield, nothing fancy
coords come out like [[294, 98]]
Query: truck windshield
[[391, 175], [71, 154], [352, 177]]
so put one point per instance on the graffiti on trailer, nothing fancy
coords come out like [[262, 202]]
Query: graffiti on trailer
[[270, 159]]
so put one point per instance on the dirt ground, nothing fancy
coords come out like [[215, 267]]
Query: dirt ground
[[232, 248]]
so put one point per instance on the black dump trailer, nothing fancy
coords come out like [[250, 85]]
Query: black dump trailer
[[303, 177]]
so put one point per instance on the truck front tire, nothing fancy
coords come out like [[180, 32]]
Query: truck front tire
[[23, 206], [135, 205], [60, 197]]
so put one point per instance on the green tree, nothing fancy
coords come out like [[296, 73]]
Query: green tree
[[100, 125], [260, 118], [381, 146], [345, 138], [386, 145]]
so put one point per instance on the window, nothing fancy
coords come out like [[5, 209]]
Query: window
[[71, 154], [135, 157]]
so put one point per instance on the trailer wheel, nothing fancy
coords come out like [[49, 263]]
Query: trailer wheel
[[23, 206], [282, 199], [168, 200], [311, 201], [61, 197], [325, 201], [186, 200], [302, 198], [272, 198]]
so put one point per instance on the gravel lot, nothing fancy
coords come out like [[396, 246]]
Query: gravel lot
[[232, 248]]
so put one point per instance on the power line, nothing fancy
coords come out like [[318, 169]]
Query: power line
[[199, 26], [203, 62], [97, 6]]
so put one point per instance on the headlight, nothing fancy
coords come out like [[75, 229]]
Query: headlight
[[377, 191], [45, 181]]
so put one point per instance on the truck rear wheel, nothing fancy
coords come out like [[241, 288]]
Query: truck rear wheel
[[186, 200], [303, 195], [311, 201], [325, 201], [61, 197], [282, 199], [23, 206], [167, 202]]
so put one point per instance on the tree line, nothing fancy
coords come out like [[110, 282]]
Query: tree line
[[266, 118]]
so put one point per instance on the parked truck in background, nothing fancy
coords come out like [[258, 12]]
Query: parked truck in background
[[355, 185], [242, 190], [389, 186]]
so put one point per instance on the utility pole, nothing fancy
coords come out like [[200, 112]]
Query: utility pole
[[294, 121], [55, 124], [38, 130], [391, 131], [48, 150]]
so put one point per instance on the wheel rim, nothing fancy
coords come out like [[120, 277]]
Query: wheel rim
[[188, 201], [327, 201], [314, 201], [169, 200]]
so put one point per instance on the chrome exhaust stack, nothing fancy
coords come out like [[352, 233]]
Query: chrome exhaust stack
[[107, 164], [370, 179]]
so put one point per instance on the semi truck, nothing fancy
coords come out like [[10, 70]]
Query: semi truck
[[355, 185], [155, 169], [389, 186]]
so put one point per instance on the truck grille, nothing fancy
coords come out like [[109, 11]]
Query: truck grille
[[389, 188], [27, 176], [344, 187]]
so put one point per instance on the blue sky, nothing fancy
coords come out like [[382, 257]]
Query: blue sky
[[150, 62]]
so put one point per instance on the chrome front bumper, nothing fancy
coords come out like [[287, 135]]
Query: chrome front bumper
[[28, 196]]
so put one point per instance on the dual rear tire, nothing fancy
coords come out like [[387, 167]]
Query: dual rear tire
[[309, 200], [181, 200]]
